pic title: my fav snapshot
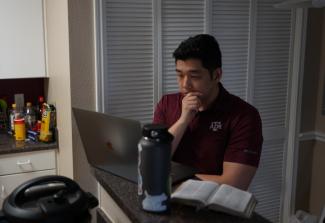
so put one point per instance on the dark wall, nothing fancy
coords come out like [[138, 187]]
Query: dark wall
[[30, 87]]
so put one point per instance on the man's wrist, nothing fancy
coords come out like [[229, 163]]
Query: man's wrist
[[182, 122]]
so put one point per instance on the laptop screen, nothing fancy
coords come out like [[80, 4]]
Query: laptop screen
[[110, 144]]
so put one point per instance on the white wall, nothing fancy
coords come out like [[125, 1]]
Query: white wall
[[83, 94], [71, 68], [58, 89]]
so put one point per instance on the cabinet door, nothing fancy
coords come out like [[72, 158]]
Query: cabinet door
[[27, 162], [9, 182], [110, 208], [22, 53]]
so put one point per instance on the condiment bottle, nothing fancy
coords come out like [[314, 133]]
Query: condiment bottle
[[20, 130], [30, 117]]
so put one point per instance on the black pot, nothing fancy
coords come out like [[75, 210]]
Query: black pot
[[48, 199]]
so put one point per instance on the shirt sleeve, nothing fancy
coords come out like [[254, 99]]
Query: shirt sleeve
[[245, 141], [159, 116]]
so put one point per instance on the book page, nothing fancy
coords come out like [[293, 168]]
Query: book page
[[231, 198], [195, 190]]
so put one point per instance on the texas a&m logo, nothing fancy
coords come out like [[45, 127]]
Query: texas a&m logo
[[215, 126]]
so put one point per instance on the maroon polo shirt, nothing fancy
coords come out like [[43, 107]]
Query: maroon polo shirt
[[230, 130]]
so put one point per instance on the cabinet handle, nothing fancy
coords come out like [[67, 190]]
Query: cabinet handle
[[20, 163]]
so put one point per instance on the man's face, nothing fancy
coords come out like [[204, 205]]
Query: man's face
[[193, 77]]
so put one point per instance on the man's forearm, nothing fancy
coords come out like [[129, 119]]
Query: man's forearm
[[177, 130], [234, 174], [224, 180]]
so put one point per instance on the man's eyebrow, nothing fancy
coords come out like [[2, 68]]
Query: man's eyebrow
[[193, 70]]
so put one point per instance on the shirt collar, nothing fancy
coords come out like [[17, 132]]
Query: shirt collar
[[221, 103]]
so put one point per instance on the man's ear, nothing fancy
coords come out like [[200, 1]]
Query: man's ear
[[217, 74]]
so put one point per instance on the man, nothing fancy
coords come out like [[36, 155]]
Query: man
[[214, 131]]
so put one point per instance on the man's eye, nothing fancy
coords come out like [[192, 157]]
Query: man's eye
[[180, 75], [195, 77]]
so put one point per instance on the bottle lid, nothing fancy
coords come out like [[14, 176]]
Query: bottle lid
[[28, 104], [19, 121], [13, 105], [40, 99], [157, 131]]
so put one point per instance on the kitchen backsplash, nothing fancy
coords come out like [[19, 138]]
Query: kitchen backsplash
[[30, 87]]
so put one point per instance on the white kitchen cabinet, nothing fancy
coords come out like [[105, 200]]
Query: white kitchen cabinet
[[19, 167], [22, 42], [10, 182], [110, 208]]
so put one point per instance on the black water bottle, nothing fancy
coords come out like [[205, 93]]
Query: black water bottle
[[154, 184]]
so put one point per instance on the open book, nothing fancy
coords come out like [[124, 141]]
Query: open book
[[224, 198]]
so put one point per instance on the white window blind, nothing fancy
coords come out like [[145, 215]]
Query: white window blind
[[273, 34], [180, 19], [267, 183], [127, 58], [272, 58], [230, 26]]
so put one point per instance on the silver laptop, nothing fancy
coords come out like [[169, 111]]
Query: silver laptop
[[111, 142]]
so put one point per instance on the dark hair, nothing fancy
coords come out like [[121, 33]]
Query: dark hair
[[203, 47]]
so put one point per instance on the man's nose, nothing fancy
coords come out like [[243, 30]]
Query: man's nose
[[187, 83]]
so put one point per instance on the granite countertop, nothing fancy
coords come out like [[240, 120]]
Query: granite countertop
[[9, 145], [125, 195]]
